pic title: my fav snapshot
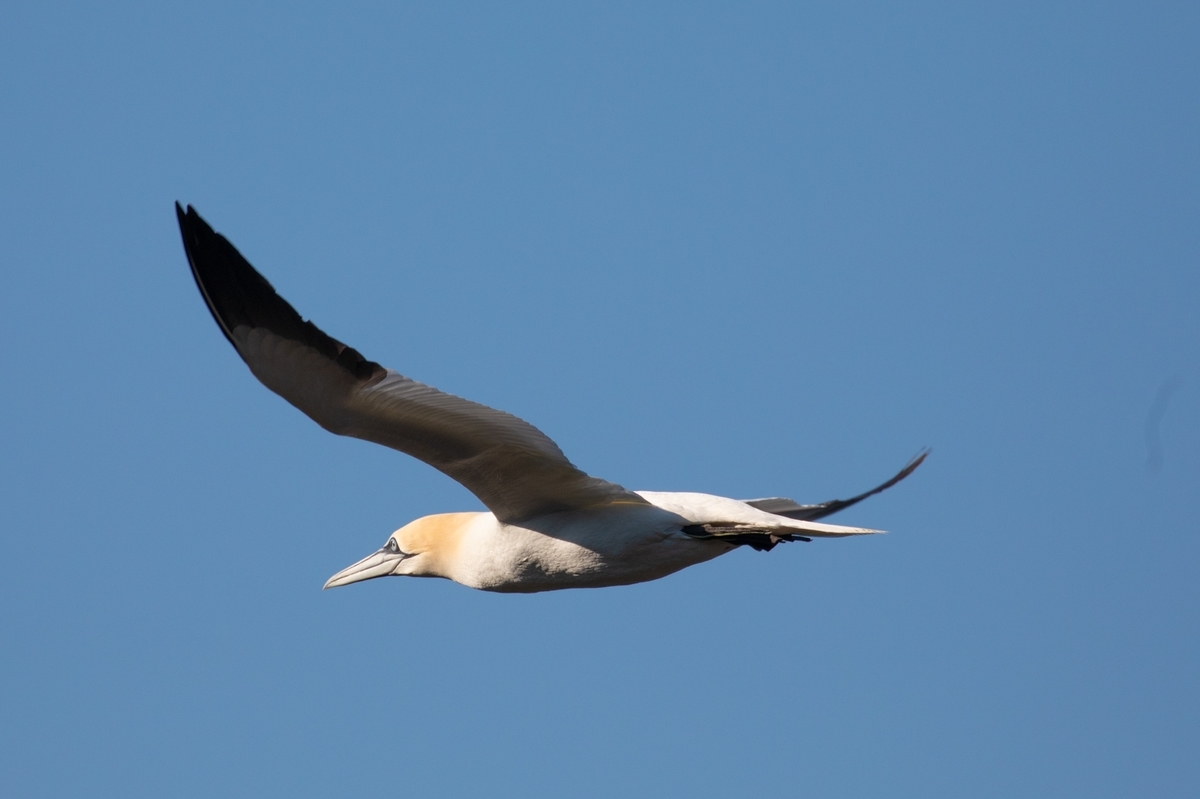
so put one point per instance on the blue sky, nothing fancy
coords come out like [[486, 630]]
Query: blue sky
[[751, 249]]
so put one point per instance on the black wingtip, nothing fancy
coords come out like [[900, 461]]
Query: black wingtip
[[237, 295], [812, 513], [192, 229], [911, 467], [182, 216]]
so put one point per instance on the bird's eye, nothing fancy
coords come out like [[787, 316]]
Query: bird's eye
[[392, 546]]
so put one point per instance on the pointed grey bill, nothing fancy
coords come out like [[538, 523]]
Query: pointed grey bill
[[379, 564]]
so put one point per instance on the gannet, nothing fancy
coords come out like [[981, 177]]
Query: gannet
[[548, 525]]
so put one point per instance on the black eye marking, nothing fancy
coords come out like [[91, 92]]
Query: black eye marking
[[392, 547]]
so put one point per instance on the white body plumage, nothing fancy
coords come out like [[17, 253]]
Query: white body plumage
[[604, 546], [577, 549]]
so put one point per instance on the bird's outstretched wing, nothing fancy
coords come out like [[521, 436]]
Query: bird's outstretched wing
[[514, 468], [781, 506]]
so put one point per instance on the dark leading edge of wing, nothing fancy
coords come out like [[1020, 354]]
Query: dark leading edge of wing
[[236, 295], [510, 465], [810, 513]]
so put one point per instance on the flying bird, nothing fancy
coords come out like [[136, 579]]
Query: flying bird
[[548, 525]]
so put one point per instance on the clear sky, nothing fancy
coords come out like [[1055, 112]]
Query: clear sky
[[751, 249]]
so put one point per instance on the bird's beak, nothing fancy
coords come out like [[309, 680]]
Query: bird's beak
[[379, 564]]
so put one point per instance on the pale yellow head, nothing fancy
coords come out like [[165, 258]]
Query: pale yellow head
[[426, 547]]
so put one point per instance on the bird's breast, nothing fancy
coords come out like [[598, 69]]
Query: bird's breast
[[579, 550]]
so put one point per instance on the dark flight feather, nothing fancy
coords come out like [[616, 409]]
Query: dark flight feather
[[781, 506]]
